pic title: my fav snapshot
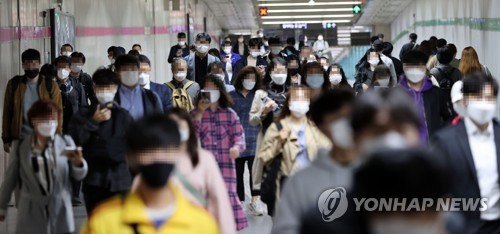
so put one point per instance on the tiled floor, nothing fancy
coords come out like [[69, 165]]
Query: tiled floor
[[257, 224]]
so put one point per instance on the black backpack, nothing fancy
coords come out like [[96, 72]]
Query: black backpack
[[269, 175], [444, 78], [17, 79]]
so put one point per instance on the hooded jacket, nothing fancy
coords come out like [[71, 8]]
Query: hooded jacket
[[432, 109]]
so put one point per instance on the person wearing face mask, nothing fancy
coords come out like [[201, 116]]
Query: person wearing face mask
[[111, 59], [337, 77], [199, 61], [314, 77], [241, 47], [379, 47], [413, 175], [139, 102], [247, 83], [77, 62], [275, 48], [471, 149], [116, 51], [445, 74], [218, 69], [72, 92], [43, 164], [205, 185], [66, 50], [364, 70], [21, 92], [458, 103], [226, 141], [145, 82], [429, 99], [398, 66], [321, 46], [254, 59], [158, 204], [184, 92], [295, 138], [73, 98], [96, 129], [294, 67], [180, 49], [331, 168], [229, 58], [381, 78], [290, 48]]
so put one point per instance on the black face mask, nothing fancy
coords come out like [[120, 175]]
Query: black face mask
[[31, 73], [293, 71], [156, 175]]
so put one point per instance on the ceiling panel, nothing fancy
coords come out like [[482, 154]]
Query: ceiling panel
[[382, 11], [234, 14]]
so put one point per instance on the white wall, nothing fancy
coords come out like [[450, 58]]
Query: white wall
[[484, 41]]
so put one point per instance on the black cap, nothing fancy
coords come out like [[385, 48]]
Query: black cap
[[378, 45]]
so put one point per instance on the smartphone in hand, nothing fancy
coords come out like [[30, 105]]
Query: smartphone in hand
[[205, 96], [70, 145]]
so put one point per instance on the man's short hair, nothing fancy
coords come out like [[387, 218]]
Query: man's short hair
[[329, 102], [415, 57], [30, 55], [126, 59]]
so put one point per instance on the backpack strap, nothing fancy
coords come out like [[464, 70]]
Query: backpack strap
[[170, 85], [192, 190], [278, 125], [188, 84]]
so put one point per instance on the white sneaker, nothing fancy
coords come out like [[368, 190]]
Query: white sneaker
[[255, 209]]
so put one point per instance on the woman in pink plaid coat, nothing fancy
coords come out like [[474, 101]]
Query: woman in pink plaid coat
[[221, 132]]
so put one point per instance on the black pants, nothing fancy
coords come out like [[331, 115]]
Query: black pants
[[94, 195], [76, 186], [240, 170]]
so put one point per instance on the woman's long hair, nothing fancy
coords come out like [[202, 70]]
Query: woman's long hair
[[469, 63], [192, 142]]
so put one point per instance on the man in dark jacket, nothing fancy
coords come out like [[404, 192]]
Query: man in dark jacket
[[100, 130], [445, 74], [254, 59], [138, 101], [290, 47], [145, 81], [398, 66], [432, 108], [179, 50], [409, 46], [77, 62]]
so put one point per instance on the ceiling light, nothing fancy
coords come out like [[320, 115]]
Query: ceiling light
[[306, 22], [309, 10], [306, 16], [308, 3], [311, 3]]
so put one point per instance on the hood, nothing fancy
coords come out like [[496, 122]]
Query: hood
[[403, 82]]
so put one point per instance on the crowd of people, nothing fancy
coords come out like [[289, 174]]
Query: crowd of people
[[144, 157]]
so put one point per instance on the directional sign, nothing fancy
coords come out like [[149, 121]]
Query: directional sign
[[356, 9]]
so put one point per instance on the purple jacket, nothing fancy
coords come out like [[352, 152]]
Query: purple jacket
[[418, 98]]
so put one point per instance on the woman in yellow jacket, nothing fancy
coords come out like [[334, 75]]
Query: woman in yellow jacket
[[298, 140]]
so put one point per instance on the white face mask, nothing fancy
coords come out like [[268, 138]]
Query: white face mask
[[76, 68], [275, 49], [325, 67], [130, 78], [240, 40], [374, 61], [389, 140], [105, 97], [384, 82], [227, 50], [47, 129], [278, 78], [203, 49], [320, 38], [260, 34], [481, 112], [415, 75], [180, 76], [62, 73], [184, 134], [67, 53], [399, 225], [315, 81], [341, 132], [111, 60], [255, 54], [221, 77], [181, 43], [335, 79], [144, 78], [248, 84], [214, 95], [299, 108], [460, 109]]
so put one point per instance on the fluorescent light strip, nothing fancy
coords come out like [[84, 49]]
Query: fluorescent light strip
[[305, 16], [307, 4], [306, 22], [309, 10], [343, 34], [344, 39]]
